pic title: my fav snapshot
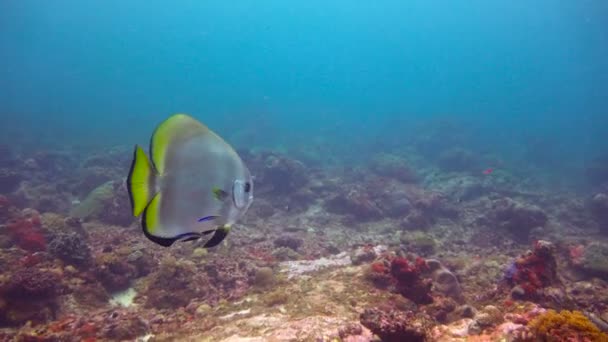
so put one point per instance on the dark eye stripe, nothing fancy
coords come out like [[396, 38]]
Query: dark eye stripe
[[247, 187]]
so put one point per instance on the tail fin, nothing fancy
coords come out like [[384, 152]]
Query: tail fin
[[141, 182]]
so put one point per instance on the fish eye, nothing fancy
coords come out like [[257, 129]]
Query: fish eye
[[239, 189]]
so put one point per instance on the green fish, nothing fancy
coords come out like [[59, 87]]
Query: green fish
[[195, 185]]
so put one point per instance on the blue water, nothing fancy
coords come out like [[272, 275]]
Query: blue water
[[349, 76]]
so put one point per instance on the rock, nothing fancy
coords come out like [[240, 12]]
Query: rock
[[391, 166], [351, 329], [599, 209], [107, 204], [441, 308], [489, 316], [518, 293], [418, 242], [29, 295], [288, 241], [203, 310], [394, 203], [363, 255], [395, 326], [445, 281], [517, 218], [261, 209], [416, 220], [264, 277], [594, 259], [455, 331], [125, 326], [70, 247], [355, 202], [466, 311], [295, 269], [285, 253], [284, 175]]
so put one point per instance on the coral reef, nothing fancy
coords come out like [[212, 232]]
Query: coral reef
[[325, 253]]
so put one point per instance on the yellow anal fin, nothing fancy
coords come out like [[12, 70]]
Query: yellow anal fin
[[141, 182], [151, 223]]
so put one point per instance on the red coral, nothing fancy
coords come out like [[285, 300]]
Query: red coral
[[403, 271], [536, 270], [406, 277], [379, 267], [410, 283], [26, 232], [576, 254]]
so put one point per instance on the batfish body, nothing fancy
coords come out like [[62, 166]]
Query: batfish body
[[194, 185]]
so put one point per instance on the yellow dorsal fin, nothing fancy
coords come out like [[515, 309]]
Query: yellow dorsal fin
[[180, 126]]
